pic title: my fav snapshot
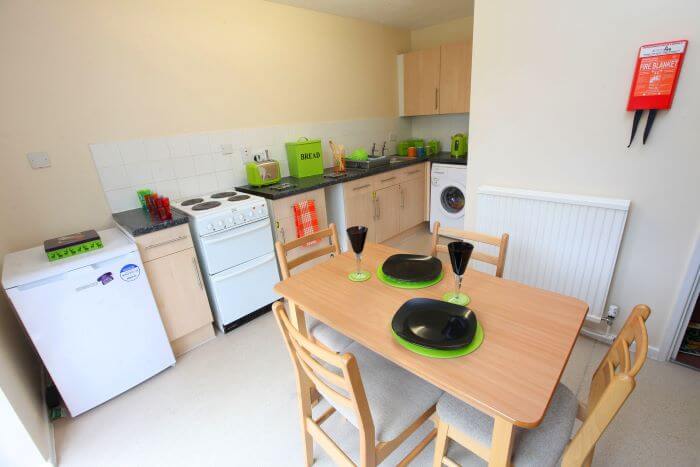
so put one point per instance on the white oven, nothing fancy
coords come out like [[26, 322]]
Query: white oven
[[233, 239]]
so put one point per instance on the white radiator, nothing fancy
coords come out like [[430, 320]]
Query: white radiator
[[559, 242]]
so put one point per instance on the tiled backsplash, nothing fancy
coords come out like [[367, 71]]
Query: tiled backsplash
[[440, 127], [186, 165]]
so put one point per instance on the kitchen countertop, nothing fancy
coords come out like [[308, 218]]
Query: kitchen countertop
[[305, 184], [139, 222]]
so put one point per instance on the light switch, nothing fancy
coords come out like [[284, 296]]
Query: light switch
[[39, 160]]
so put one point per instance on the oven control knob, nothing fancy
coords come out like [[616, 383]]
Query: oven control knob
[[220, 224], [251, 214], [229, 221], [263, 210], [210, 227], [239, 218]]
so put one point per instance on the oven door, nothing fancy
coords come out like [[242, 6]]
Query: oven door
[[227, 249], [243, 289]]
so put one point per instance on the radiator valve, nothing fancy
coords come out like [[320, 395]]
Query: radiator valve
[[612, 314]]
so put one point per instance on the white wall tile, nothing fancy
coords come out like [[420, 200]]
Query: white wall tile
[[122, 200], [225, 180], [184, 167], [113, 178], [163, 170], [199, 144], [179, 146], [157, 149], [223, 162], [188, 187], [207, 183], [203, 164], [139, 174], [106, 154], [169, 188], [132, 151]]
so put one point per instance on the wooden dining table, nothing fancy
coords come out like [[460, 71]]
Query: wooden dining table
[[529, 334]]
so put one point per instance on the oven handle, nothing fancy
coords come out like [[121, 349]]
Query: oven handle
[[211, 239], [251, 265]]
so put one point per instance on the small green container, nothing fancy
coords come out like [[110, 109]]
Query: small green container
[[402, 147], [305, 158], [419, 143]]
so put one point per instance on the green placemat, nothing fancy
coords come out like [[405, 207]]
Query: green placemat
[[406, 285], [436, 353]]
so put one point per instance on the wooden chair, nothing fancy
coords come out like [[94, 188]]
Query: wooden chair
[[387, 405], [322, 333], [501, 242], [612, 383]]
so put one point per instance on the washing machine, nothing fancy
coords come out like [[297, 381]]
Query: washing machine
[[448, 195]]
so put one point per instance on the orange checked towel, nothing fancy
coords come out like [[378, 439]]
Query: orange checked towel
[[306, 219]]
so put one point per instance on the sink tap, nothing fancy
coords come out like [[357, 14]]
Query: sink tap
[[383, 148], [373, 148]]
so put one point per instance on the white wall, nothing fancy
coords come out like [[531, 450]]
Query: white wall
[[549, 89]]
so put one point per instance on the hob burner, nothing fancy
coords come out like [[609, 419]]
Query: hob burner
[[238, 198], [192, 201], [206, 205], [224, 194]]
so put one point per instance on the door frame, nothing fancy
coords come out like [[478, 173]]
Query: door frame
[[683, 308]]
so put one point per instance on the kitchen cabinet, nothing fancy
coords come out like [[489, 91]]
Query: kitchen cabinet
[[386, 222], [284, 224], [173, 272], [421, 80], [360, 208], [455, 77], [435, 81], [412, 210], [388, 203]]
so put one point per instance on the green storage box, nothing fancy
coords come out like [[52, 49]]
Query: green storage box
[[305, 158]]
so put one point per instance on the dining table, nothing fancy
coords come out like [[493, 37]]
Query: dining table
[[529, 334]]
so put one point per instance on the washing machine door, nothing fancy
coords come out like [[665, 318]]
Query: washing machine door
[[452, 200]]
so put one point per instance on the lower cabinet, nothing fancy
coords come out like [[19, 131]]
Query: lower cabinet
[[173, 271], [387, 223], [388, 203], [413, 196]]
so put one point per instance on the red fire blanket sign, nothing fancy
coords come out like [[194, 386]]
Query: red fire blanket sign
[[656, 75], [654, 83]]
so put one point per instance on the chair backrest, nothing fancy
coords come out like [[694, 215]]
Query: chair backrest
[[283, 248], [501, 242], [314, 366], [612, 383]]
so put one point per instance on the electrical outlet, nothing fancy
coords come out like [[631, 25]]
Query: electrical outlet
[[38, 160]]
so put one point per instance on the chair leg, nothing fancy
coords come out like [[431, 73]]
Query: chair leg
[[440, 443], [501, 443], [304, 414]]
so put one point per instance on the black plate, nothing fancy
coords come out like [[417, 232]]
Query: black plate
[[412, 268], [435, 324]]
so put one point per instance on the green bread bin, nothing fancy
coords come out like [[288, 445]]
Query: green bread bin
[[305, 158]]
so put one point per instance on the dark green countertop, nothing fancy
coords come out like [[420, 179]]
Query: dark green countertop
[[302, 185]]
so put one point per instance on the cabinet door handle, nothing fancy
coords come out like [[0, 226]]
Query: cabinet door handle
[[403, 198], [196, 271], [412, 172], [172, 240], [360, 187], [387, 179], [437, 99], [379, 212]]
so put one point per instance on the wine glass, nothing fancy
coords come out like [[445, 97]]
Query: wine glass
[[357, 235], [460, 252]]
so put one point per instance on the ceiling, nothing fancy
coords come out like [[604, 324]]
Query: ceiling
[[411, 14]]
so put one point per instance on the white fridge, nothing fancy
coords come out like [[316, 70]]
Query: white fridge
[[92, 319]]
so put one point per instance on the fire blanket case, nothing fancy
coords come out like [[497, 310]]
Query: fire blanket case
[[654, 83]]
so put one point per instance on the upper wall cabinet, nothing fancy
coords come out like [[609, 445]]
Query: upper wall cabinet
[[435, 81]]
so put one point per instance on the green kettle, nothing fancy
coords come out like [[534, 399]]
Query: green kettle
[[458, 148]]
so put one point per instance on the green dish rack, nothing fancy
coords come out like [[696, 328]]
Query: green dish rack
[[305, 157]]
